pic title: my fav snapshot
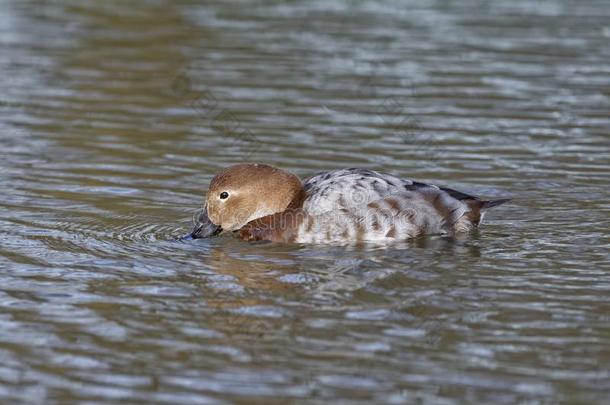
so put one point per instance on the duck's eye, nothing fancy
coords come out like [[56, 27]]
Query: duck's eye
[[224, 195]]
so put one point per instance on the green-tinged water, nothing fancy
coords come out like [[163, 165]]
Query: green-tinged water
[[115, 115]]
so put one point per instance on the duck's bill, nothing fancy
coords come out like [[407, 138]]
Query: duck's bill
[[204, 228], [204, 231]]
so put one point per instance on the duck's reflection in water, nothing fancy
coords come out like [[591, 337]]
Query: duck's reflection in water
[[254, 284]]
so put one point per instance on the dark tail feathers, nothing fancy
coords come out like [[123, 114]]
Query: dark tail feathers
[[483, 205]]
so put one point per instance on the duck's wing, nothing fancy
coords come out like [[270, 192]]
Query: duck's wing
[[364, 204]]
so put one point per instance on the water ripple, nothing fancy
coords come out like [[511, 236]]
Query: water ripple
[[110, 132]]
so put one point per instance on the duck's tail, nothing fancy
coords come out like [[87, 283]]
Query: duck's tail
[[478, 208]]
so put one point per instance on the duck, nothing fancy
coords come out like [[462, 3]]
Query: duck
[[260, 202]]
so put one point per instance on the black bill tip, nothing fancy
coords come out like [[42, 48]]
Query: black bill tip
[[203, 231]]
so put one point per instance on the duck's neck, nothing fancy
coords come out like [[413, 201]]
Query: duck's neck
[[297, 200]]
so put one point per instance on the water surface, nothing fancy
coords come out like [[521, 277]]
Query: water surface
[[115, 115]]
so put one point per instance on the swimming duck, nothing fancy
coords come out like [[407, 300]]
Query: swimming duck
[[262, 202]]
